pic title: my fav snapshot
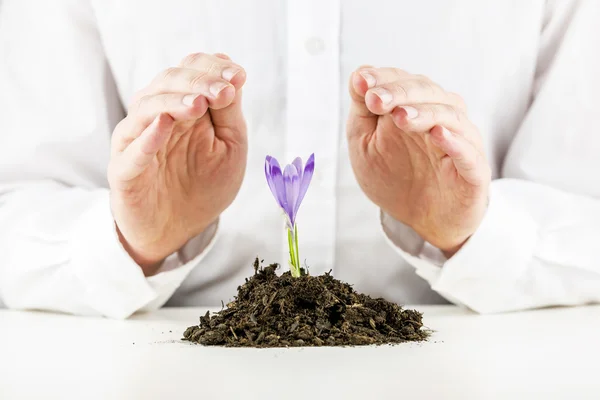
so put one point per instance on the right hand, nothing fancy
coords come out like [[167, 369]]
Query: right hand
[[179, 157]]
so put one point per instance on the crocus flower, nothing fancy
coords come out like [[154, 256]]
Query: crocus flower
[[289, 188]]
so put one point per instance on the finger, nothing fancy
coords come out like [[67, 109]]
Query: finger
[[357, 87], [180, 107], [218, 91], [367, 77], [140, 153], [385, 88], [229, 121], [218, 64], [423, 117], [222, 55], [469, 163], [360, 120], [383, 98], [187, 80]]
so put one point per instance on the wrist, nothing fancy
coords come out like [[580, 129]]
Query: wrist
[[452, 250], [451, 236], [148, 261], [151, 255]]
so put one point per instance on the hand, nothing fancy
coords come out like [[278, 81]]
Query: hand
[[178, 158], [416, 154]]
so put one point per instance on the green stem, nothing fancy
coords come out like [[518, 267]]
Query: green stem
[[297, 252], [294, 257]]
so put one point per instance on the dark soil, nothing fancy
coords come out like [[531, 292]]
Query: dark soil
[[277, 311]]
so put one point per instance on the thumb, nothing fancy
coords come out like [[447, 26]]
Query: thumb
[[141, 152], [229, 121], [360, 120]]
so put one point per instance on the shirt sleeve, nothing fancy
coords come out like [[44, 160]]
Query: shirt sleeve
[[59, 249], [537, 245]]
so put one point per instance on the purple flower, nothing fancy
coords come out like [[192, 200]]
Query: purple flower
[[290, 186]]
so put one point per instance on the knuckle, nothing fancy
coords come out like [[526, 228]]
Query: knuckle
[[400, 72], [458, 100], [454, 113], [433, 113], [192, 59], [150, 104], [141, 104], [197, 80], [402, 90], [421, 77], [222, 56], [215, 67], [136, 99], [168, 73], [428, 86]]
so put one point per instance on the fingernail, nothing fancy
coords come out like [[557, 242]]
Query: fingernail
[[188, 99], [411, 112], [216, 88], [229, 73], [384, 95], [446, 133], [370, 79]]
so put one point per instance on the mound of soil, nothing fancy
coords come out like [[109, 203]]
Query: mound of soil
[[278, 311]]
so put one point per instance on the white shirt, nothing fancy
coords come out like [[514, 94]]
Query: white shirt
[[528, 71]]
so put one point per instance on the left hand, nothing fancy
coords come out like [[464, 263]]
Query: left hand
[[417, 155]]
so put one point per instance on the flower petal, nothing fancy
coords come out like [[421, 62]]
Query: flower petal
[[269, 177], [278, 184], [274, 163], [292, 189], [299, 167], [309, 169]]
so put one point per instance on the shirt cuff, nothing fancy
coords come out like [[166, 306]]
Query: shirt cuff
[[115, 285], [426, 258], [178, 266], [495, 255]]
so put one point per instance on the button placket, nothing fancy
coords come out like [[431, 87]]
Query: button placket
[[312, 121], [314, 46]]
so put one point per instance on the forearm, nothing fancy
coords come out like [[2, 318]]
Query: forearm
[[61, 252], [536, 247]]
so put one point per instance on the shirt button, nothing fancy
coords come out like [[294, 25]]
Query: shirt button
[[314, 46]]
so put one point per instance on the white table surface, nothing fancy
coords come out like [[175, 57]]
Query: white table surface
[[543, 354]]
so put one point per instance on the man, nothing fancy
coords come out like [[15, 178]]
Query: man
[[455, 94]]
